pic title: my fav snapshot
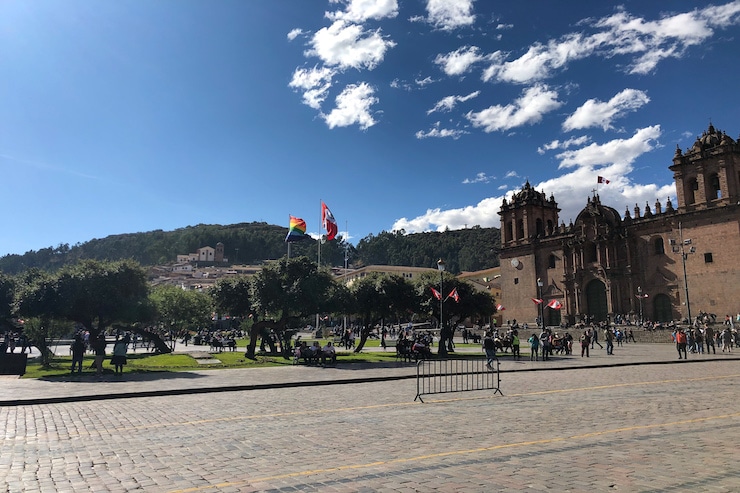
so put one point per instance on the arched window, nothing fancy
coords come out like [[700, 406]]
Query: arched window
[[509, 231], [550, 227], [539, 228], [658, 246], [520, 229], [551, 261], [715, 191], [691, 187], [589, 251]]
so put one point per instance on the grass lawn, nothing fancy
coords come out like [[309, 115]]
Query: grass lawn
[[143, 362]]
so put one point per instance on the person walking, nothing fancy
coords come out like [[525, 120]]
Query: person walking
[[681, 343], [585, 342], [489, 346], [118, 360], [595, 339], [534, 347], [98, 347], [78, 353], [609, 338], [515, 344], [709, 336]]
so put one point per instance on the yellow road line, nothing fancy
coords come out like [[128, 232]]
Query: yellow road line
[[438, 455]]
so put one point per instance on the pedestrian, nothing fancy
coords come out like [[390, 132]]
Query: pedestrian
[[98, 347], [78, 353], [727, 339], [630, 336], [515, 344], [585, 342], [118, 360], [489, 346], [545, 343], [681, 343], [595, 339], [534, 347], [609, 338], [709, 336]]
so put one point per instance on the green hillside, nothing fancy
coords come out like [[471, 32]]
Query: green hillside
[[251, 243]]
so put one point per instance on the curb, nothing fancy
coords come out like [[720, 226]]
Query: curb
[[313, 383]]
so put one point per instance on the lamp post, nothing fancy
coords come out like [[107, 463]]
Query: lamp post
[[441, 268], [540, 309], [639, 296], [683, 260]]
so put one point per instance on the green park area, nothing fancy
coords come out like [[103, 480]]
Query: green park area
[[190, 361]]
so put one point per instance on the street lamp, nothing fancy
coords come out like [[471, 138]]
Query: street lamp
[[684, 254], [639, 296], [441, 268], [539, 305]]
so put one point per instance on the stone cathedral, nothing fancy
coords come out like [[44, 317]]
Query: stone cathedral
[[658, 262]]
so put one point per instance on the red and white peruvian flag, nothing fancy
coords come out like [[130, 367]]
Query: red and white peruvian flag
[[601, 179], [500, 308], [555, 305], [454, 295], [436, 293], [537, 301]]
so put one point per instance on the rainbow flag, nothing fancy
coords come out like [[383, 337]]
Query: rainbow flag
[[296, 230]]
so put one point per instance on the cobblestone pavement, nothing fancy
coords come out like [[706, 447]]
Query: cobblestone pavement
[[580, 425]]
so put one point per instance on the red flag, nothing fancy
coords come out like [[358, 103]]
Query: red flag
[[555, 305], [436, 293], [537, 301], [330, 224], [601, 179], [500, 308], [453, 294]]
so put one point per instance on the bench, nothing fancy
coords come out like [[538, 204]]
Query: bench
[[390, 343], [311, 358]]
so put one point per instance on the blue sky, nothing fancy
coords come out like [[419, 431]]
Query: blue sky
[[129, 116]]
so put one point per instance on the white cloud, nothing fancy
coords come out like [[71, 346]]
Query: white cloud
[[461, 60], [527, 109], [363, 10], [446, 104], [511, 174], [557, 144], [346, 46], [315, 83], [481, 177], [438, 132], [648, 42], [450, 14], [353, 107], [570, 189], [424, 82], [595, 113], [294, 33], [618, 151]]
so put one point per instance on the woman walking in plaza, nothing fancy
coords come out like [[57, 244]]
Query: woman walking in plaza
[[119, 354]]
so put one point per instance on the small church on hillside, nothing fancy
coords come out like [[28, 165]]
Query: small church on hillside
[[660, 262]]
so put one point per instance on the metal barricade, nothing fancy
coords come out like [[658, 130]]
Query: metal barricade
[[439, 376]]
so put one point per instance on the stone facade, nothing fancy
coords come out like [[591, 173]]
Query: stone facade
[[662, 262]]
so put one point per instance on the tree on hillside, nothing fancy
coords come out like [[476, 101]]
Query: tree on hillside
[[285, 294], [379, 297]]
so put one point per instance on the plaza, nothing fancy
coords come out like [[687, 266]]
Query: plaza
[[637, 421]]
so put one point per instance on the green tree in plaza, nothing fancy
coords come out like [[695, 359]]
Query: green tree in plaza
[[7, 299], [37, 301], [97, 294], [379, 297], [471, 303], [232, 296], [285, 294], [178, 310]]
